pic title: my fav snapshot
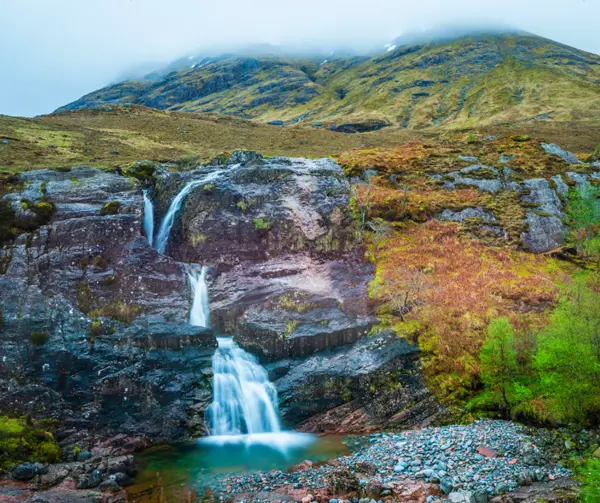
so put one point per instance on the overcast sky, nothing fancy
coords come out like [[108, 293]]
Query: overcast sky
[[54, 51]]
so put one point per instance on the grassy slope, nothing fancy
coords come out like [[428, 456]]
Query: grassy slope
[[473, 81], [117, 137]]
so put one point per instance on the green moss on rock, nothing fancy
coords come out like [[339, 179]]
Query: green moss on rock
[[142, 170], [97, 328], [262, 224], [44, 210], [84, 297], [110, 208], [520, 138], [38, 338], [22, 441], [118, 310]]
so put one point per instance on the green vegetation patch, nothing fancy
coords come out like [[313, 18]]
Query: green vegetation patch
[[21, 441], [262, 224], [110, 208], [39, 338], [118, 310]]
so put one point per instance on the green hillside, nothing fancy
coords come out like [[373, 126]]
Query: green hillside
[[468, 82]]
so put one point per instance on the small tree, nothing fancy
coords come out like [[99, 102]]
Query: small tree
[[361, 202], [498, 359], [405, 290], [583, 212], [568, 356]]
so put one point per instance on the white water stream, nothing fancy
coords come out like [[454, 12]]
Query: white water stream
[[244, 400], [148, 217], [200, 313], [244, 408]]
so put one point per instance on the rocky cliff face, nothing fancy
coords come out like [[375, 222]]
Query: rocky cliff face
[[93, 327], [94, 330], [374, 383]]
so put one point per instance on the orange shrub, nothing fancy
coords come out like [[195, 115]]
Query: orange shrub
[[469, 285], [417, 202], [386, 160]]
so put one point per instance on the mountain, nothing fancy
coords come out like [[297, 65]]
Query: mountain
[[473, 80]]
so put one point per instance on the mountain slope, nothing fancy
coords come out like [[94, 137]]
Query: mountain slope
[[469, 81]]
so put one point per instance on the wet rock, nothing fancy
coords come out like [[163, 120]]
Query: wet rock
[[95, 478], [98, 374], [255, 211], [26, 471], [467, 213], [552, 149], [122, 479], [110, 486], [287, 276], [374, 382]]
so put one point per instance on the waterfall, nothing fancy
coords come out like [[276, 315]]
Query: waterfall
[[200, 314], [169, 218], [244, 401], [148, 217]]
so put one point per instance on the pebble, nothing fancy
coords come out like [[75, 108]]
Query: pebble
[[447, 456]]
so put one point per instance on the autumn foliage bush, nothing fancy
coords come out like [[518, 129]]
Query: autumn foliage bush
[[397, 203], [407, 157], [469, 284]]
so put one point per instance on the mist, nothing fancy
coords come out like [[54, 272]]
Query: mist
[[54, 51]]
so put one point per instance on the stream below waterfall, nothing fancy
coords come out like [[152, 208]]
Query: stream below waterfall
[[182, 469]]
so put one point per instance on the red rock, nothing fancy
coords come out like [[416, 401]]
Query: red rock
[[305, 465], [512, 462], [487, 452], [551, 477]]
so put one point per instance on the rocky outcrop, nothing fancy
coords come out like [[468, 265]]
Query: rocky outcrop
[[373, 383], [484, 178], [287, 275], [93, 329], [254, 209]]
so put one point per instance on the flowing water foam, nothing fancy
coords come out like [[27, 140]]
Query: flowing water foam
[[200, 313], [245, 407], [148, 217]]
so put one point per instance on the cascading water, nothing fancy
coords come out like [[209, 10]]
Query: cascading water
[[148, 217], [167, 222], [244, 400], [200, 314]]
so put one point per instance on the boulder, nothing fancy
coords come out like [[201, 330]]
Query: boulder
[[461, 497], [372, 383], [26, 471], [553, 149]]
